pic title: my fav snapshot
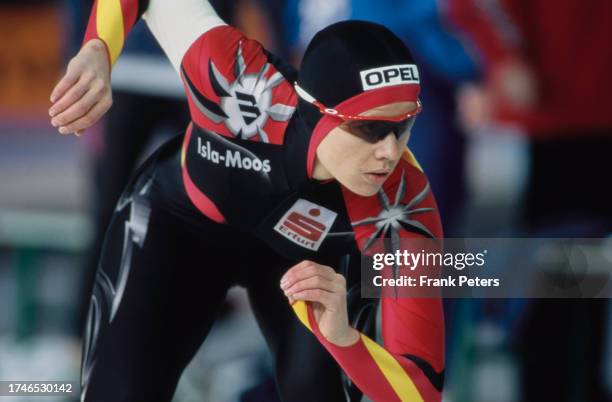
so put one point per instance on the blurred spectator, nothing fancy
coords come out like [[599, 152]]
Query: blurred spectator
[[546, 67]]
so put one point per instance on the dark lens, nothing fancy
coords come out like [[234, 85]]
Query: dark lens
[[404, 127], [371, 130]]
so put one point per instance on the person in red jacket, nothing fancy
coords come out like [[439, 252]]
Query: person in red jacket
[[280, 183], [546, 66]]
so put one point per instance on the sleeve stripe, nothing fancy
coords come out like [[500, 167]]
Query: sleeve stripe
[[109, 16], [92, 31], [130, 14], [394, 373], [301, 311], [197, 197]]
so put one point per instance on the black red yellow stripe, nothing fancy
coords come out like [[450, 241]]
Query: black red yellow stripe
[[111, 21], [374, 365]]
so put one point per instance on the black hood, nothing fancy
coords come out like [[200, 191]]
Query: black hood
[[331, 66]]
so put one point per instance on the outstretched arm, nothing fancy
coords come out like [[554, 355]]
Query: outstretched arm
[[83, 94]]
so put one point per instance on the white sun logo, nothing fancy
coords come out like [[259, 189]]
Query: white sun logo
[[395, 216], [247, 102]]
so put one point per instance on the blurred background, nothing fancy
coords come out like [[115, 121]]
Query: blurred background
[[516, 138]]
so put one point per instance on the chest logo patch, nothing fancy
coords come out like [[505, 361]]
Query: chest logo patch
[[306, 224]]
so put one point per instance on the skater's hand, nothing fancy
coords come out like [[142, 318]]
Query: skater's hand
[[326, 291], [83, 94]]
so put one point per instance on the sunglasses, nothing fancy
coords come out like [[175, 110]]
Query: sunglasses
[[369, 128], [373, 131]]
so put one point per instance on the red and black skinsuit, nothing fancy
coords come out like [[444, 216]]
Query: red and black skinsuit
[[233, 202]]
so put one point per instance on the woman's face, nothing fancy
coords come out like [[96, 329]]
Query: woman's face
[[359, 165]]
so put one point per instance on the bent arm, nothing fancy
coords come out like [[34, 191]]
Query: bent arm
[[407, 362], [408, 367]]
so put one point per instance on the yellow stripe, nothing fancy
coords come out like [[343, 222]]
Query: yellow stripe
[[300, 309], [409, 157], [183, 152], [393, 372], [109, 22]]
